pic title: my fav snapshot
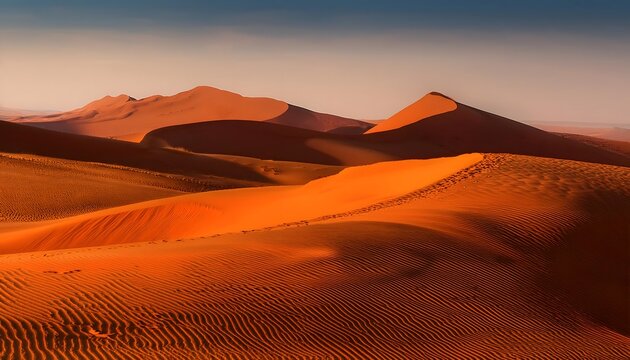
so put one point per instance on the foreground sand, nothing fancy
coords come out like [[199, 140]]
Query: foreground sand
[[505, 257]]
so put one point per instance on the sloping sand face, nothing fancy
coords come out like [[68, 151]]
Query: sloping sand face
[[429, 105], [218, 212], [125, 118], [469, 265]]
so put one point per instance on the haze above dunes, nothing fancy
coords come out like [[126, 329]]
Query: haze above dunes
[[221, 226]]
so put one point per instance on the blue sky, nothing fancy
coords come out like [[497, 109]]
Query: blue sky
[[580, 16], [536, 60]]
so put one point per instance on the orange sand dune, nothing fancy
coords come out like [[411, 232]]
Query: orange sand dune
[[38, 188], [429, 105], [455, 132], [126, 118], [210, 171], [266, 141], [509, 257], [234, 210], [465, 129], [608, 133], [619, 147]]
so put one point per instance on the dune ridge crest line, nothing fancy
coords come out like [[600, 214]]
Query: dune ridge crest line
[[207, 213]]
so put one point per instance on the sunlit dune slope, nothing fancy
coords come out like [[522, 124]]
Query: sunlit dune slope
[[210, 171], [429, 105], [459, 128], [435, 126], [512, 257], [38, 188], [126, 118], [234, 210]]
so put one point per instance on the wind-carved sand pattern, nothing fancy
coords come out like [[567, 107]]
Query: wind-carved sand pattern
[[469, 267], [489, 162]]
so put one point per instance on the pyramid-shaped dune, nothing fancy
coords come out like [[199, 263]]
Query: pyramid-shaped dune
[[429, 105]]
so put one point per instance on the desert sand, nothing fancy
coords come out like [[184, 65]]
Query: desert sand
[[608, 133], [443, 232], [480, 255], [125, 118], [434, 126]]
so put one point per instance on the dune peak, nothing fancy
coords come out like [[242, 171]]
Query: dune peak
[[437, 93], [431, 104], [108, 101]]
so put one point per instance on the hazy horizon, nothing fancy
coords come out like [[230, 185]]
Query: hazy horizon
[[530, 61]]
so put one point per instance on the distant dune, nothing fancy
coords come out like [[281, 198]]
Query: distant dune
[[493, 256], [432, 127], [620, 147], [9, 113], [123, 117], [609, 133]]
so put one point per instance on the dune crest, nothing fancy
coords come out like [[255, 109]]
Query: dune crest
[[429, 105], [236, 210], [123, 117]]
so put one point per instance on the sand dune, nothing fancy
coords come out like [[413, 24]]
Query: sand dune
[[218, 212], [38, 188], [609, 133], [619, 147], [306, 119], [212, 172], [429, 105], [266, 141], [466, 129], [123, 117], [9, 113], [507, 257], [448, 133]]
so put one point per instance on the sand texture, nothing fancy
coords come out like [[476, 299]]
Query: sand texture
[[479, 256]]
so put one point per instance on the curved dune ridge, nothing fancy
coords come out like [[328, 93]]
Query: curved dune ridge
[[450, 132], [496, 260], [429, 105], [123, 117], [208, 171], [234, 210]]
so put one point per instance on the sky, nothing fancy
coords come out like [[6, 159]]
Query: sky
[[534, 60]]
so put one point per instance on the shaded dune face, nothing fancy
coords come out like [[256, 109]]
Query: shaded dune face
[[126, 118], [432, 127], [429, 105], [467, 129], [306, 119], [209, 172], [491, 261]]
